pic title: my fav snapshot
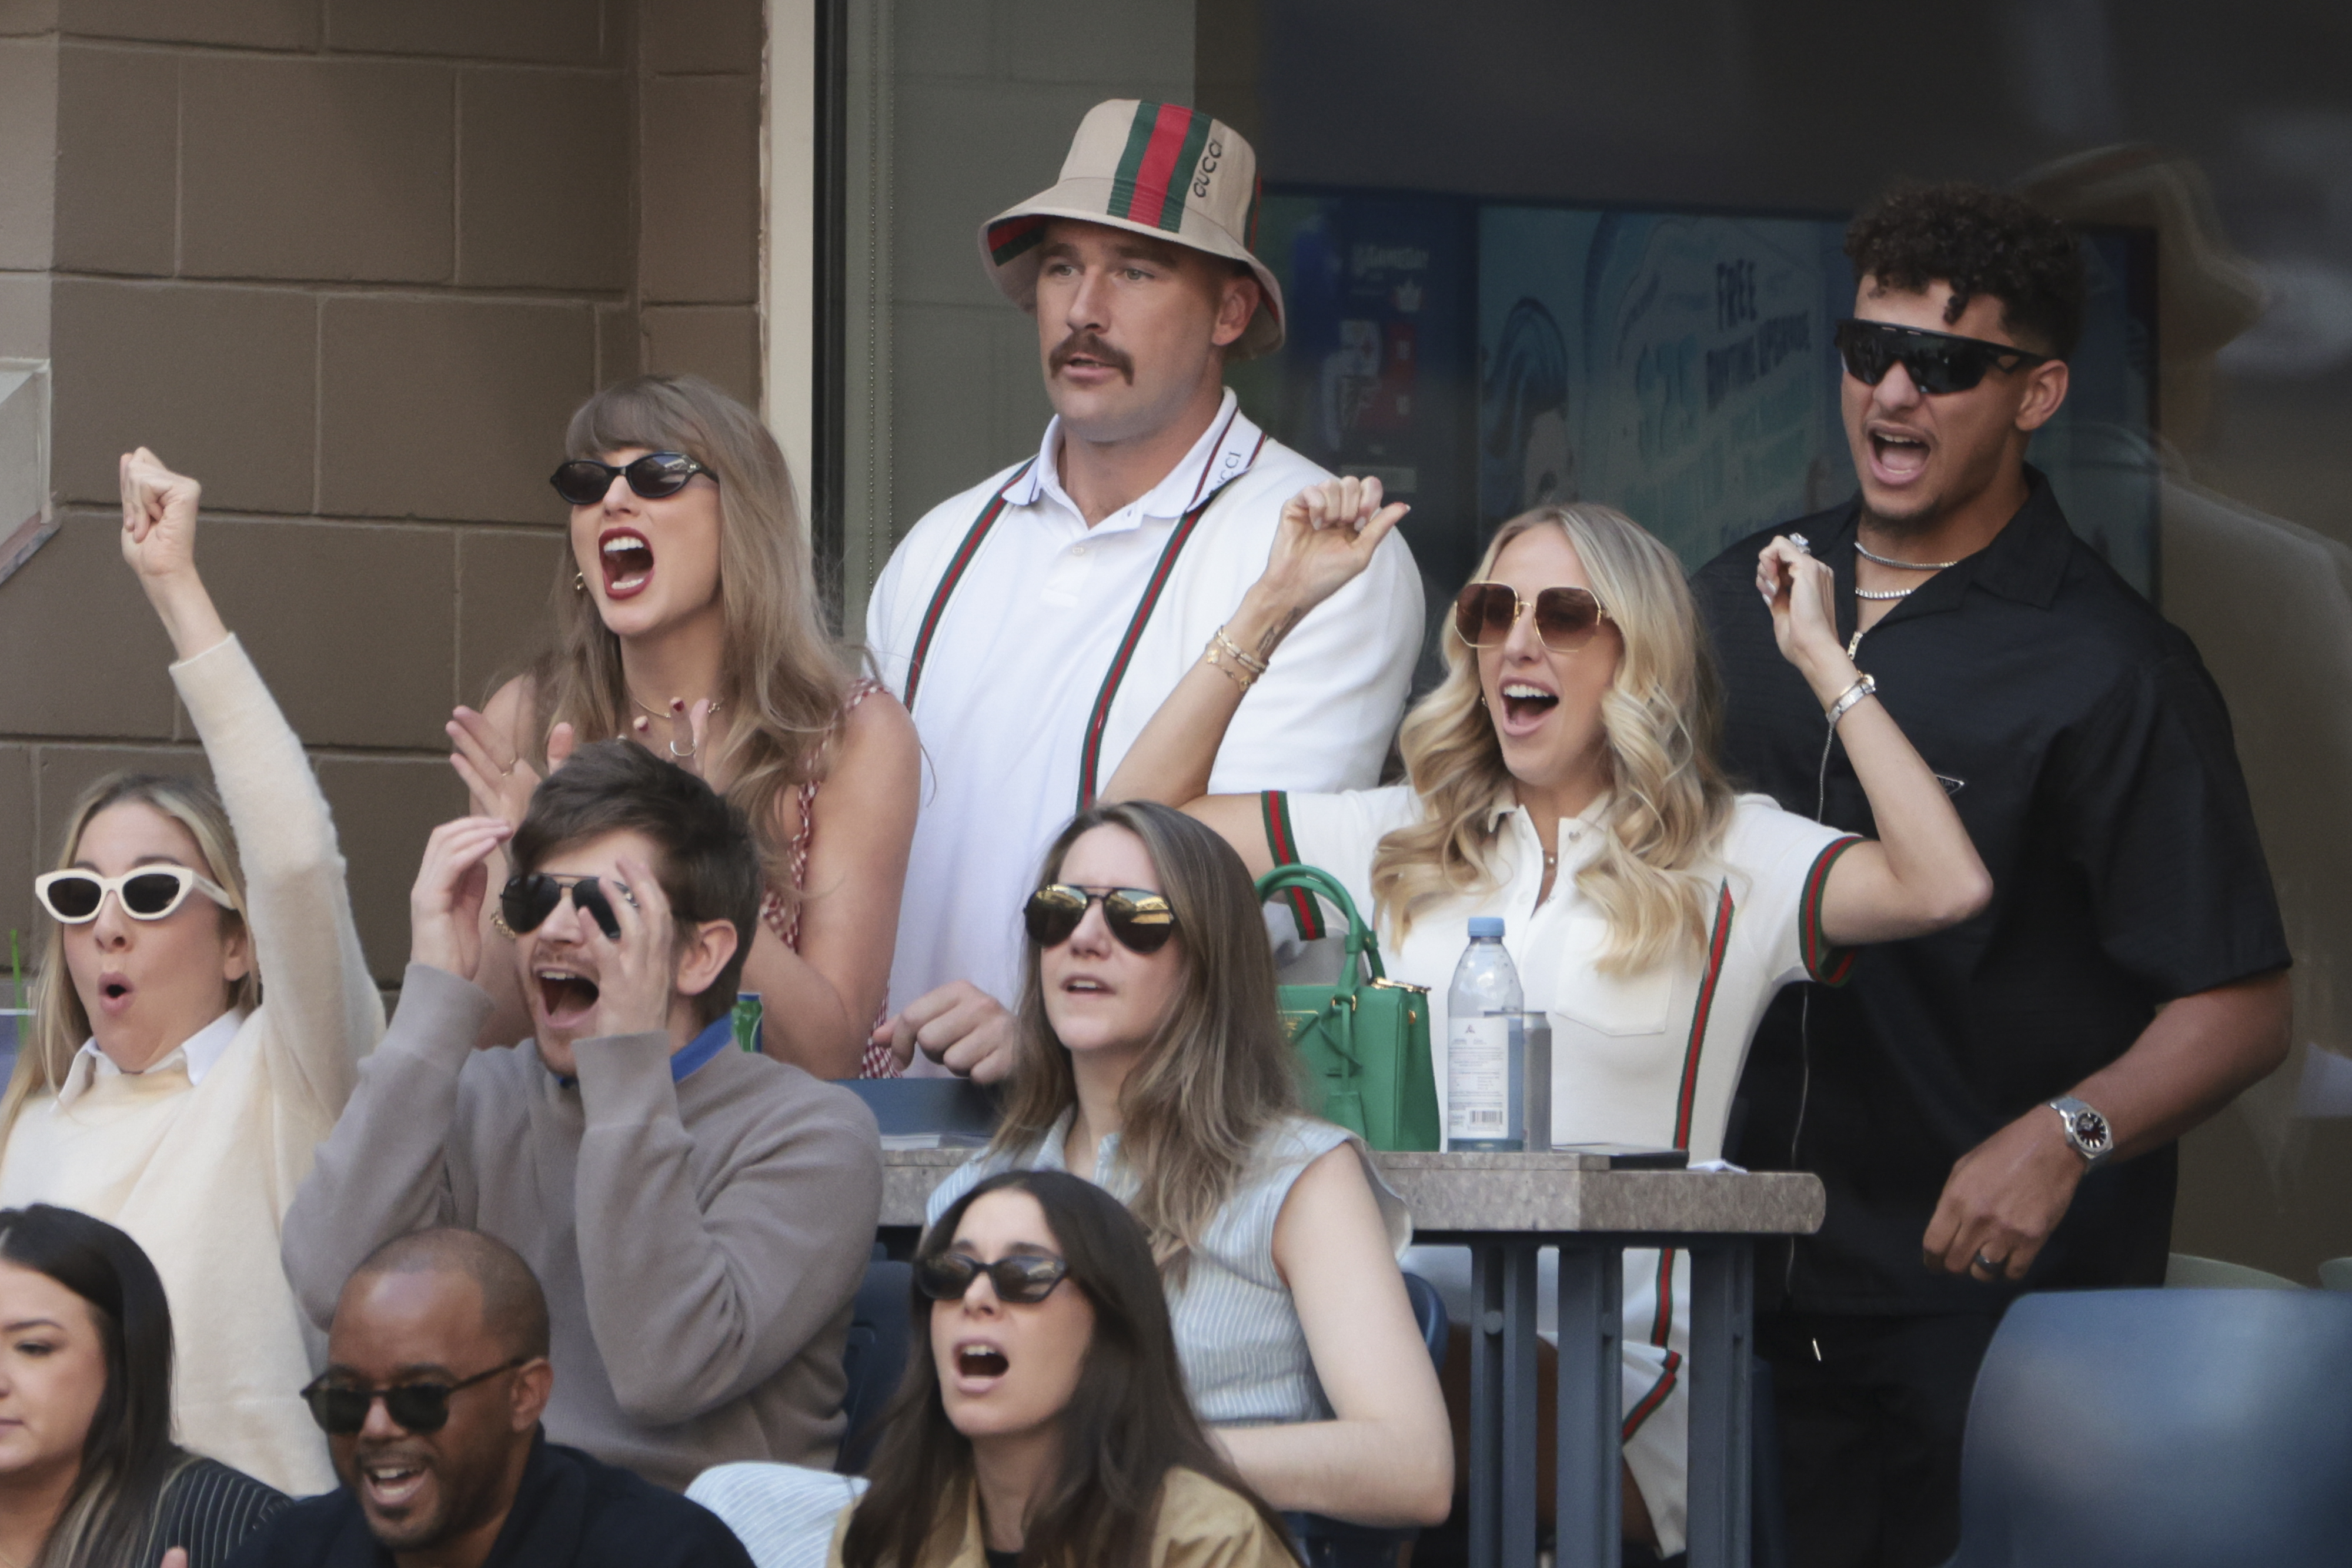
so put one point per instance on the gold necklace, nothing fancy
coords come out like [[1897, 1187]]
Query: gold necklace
[[652, 712]]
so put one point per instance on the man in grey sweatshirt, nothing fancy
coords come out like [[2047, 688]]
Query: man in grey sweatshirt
[[700, 1216]]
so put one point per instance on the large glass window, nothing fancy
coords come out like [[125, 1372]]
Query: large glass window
[[1589, 250]]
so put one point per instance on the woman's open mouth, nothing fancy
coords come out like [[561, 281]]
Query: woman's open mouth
[[113, 995], [981, 1361], [564, 998], [1525, 705], [628, 563]]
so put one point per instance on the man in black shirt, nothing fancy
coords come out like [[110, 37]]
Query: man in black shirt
[[437, 1375], [1999, 1102]]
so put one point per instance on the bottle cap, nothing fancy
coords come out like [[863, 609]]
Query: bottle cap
[[1486, 925]]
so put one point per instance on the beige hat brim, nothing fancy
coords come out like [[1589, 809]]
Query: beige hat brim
[[1013, 258]]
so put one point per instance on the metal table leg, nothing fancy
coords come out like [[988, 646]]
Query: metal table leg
[[1721, 1341], [1587, 1528], [1503, 1405]]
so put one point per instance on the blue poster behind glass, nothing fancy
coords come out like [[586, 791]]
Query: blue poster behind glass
[[1482, 358]]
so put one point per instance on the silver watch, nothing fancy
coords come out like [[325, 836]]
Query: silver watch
[[2087, 1132]]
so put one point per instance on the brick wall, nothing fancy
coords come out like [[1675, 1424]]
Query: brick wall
[[350, 263]]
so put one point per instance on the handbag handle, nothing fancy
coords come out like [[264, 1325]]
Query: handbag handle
[[1360, 942]]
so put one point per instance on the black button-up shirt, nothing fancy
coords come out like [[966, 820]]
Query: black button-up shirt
[[2089, 754]]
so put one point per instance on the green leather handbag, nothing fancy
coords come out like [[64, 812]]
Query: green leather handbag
[[1365, 1041]]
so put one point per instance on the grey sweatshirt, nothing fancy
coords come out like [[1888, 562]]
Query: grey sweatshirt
[[699, 1243]]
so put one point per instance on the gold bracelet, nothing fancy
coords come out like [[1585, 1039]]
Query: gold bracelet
[[1242, 678], [1254, 666]]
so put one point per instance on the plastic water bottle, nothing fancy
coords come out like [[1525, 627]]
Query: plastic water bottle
[[1486, 1067]]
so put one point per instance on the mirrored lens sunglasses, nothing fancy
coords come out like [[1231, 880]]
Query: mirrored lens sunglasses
[[150, 893], [527, 901], [583, 482], [1140, 920], [1022, 1280], [1566, 617], [1937, 361], [341, 1409]]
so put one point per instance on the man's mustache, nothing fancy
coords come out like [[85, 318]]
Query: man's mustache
[[1087, 346]]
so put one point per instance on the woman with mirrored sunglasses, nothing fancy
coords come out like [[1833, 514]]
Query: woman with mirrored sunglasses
[[1563, 776], [1152, 1058], [1046, 1418], [157, 1089], [688, 619], [90, 1476]]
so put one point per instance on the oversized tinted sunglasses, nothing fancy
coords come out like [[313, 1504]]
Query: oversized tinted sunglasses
[[1141, 921], [341, 1409], [583, 482], [1566, 617], [1937, 361], [1021, 1280], [526, 901], [150, 893]]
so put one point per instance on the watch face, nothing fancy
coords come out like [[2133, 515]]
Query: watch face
[[2090, 1131]]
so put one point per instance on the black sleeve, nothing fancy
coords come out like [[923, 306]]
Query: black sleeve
[[2159, 824], [211, 1509]]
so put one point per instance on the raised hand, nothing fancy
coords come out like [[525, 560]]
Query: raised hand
[[1327, 538], [445, 908], [1801, 593], [499, 785], [159, 543], [636, 972], [958, 1026]]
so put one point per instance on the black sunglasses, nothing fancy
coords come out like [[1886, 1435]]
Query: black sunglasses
[[1141, 921], [1566, 617], [1937, 362], [527, 901], [1022, 1280], [341, 1409], [583, 481]]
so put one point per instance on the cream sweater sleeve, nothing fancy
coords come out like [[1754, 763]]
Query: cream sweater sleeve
[[323, 1009]]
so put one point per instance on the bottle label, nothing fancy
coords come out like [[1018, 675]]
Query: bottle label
[[1479, 1051]]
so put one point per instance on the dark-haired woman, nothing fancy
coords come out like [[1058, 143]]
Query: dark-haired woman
[[1048, 1425], [160, 1091], [90, 1476], [1152, 1060], [687, 617]]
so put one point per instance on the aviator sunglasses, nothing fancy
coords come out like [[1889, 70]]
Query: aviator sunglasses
[[583, 481], [1937, 362], [1566, 617], [1141, 921], [1021, 1280], [341, 1409], [150, 893], [527, 901]]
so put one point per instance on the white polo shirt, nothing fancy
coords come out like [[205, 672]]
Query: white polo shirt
[[1650, 1059], [1030, 651]]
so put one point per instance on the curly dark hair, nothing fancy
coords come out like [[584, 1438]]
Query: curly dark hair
[[1979, 241]]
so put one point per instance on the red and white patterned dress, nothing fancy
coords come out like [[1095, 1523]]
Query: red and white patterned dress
[[875, 1060]]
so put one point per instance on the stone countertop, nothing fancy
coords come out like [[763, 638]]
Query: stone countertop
[[1455, 1194]]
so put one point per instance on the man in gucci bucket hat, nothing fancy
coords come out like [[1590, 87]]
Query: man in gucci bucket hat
[[1034, 623]]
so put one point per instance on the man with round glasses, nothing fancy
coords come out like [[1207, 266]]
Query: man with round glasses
[[437, 1376], [1034, 623], [700, 1214], [1993, 1108]]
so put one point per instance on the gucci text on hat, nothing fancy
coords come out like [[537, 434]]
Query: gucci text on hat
[[1158, 169]]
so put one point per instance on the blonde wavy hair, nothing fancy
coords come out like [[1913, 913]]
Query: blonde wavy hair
[[1219, 1073], [1669, 804], [785, 676], [59, 1022]]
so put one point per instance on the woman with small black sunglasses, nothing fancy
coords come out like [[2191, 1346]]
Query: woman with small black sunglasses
[[90, 1476], [688, 619], [159, 1090], [1048, 1424]]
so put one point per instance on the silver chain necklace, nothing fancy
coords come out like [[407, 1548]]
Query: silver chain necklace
[[1867, 554]]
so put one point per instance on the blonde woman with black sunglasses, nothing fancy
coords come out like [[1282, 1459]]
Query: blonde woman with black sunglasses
[[159, 1090], [1564, 778]]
